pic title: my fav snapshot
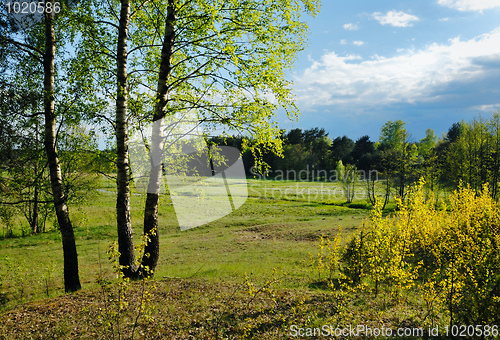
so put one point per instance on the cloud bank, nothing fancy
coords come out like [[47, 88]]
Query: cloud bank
[[409, 77], [470, 5]]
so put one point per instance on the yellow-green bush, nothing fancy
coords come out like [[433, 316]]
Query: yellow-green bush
[[450, 254]]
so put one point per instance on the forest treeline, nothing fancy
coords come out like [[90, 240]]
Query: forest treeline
[[468, 153]]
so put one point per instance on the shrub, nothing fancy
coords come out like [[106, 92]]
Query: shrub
[[354, 259], [450, 254], [327, 260]]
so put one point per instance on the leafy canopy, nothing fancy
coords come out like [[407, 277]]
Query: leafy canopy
[[229, 61]]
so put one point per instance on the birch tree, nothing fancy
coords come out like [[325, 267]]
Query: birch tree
[[227, 61], [34, 48]]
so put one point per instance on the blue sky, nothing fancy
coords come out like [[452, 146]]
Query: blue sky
[[428, 62]]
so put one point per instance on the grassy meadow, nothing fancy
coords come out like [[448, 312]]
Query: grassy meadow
[[268, 231], [248, 275]]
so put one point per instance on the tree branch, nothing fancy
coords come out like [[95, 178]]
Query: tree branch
[[27, 48], [25, 201], [106, 22], [138, 8]]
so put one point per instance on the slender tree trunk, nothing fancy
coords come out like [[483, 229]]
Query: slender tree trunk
[[124, 224], [151, 252], [496, 168], [34, 220], [71, 277]]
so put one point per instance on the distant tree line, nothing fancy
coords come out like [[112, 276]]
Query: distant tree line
[[467, 153]]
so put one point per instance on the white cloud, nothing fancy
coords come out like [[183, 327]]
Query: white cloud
[[355, 42], [486, 108], [470, 5], [351, 27], [395, 18], [409, 77]]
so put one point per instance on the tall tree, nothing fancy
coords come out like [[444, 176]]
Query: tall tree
[[294, 136], [398, 154], [25, 164], [363, 153], [71, 276], [36, 44], [393, 134], [472, 157], [27, 173], [123, 218], [426, 144], [238, 51], [347, 175], [454, 132], [341, 149], [152, 249], [494, 156], [104, 53], [442, 152]]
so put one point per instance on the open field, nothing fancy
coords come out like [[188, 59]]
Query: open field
[[266, 232], [247, 275]]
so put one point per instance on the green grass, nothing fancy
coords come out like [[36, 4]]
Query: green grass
[[210, 266], [263, 234]]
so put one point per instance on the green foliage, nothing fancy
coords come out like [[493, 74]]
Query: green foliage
[[19, 278], [47, 278], [469, 260], [302, 150], [26, 176], [228, 67], [354, 259], [393, 135], [327, 260], [78, 153], [341, 149], [363, 154], [468, 153], [449, 254], [26, 183], [427, 143], [6, 215], [471, 155], [348, 176]]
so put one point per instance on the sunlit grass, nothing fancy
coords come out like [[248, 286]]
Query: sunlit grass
[[266, 232]]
